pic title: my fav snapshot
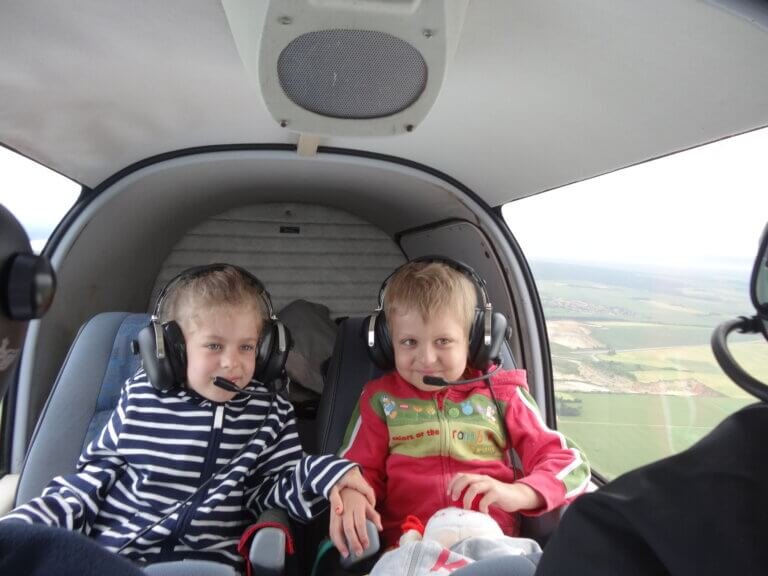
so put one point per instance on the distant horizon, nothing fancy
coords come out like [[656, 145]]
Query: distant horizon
[[741, 268]]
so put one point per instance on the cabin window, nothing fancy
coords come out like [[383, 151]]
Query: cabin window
[[36, 196], [634, 271]]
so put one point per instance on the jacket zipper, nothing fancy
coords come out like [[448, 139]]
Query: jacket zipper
[[443, 438], [209, 467]]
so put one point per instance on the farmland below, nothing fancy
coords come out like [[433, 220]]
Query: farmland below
[[635, 378]]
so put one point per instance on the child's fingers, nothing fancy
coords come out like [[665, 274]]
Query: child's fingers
[[373, 516], [365, 489], [479, 486], [469, 496], [337, 505], [486, 501], [459, 483], [336, 532], [350, 533], [354, 479], [362, 532], [369, 494]]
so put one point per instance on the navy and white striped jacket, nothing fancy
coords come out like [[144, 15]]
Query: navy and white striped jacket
[[158, 448]]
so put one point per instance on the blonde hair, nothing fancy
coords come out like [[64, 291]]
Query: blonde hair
[[220, 285], [430, 287]]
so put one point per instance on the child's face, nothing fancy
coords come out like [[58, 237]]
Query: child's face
[[437, 347], [221, 341]]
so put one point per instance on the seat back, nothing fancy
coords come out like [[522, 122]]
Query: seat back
[[86, 391], [348, 370]]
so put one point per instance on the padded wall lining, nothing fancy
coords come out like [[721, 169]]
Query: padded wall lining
[[299, 251]]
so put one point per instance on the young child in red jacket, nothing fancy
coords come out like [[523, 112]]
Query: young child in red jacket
[[426, 446]]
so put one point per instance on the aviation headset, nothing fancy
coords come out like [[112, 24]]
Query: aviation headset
[[486, 333], [163, 349], [27, 286]]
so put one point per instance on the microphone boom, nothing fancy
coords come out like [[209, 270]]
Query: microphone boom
[[437, 381], [230, 386]]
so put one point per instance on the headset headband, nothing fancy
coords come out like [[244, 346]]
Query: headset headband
[[455, 264], [204, 270]]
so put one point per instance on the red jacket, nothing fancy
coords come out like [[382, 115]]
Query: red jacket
[[410, 443]]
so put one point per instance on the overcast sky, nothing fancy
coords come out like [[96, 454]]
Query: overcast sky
[[701, 208], [38, 197], [705, 206]]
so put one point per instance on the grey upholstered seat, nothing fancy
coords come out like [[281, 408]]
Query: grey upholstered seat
[[85, 393]]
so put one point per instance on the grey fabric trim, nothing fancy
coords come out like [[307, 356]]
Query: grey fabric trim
[[190, 568]]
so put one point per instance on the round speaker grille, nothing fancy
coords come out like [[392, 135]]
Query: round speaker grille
[[355, 74]]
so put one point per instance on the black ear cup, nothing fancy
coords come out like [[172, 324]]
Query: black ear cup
[[379, 344], [481, 353], [163, 355], [273, 351], [177, 358], [29, 285]]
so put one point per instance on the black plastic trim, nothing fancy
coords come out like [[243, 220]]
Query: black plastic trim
[[541, 325], [8, 419], [86, 195]]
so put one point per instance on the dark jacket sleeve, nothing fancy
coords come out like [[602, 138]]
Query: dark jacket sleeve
[[286, 478], [595, 538]]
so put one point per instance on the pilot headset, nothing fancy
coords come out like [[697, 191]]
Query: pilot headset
[[486, 334], [163, 349]]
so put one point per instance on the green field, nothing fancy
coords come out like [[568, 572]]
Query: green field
[[672, 363], [697, 362], [619, 432], [622, 335], [642, 341], [590, 293]]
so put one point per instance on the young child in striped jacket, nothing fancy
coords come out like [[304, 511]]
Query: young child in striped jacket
[[158, 448]]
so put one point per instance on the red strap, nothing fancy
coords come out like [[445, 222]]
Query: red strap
[[244, 546], [412, 523]]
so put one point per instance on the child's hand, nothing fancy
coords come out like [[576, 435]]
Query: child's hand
[[352, 479], [348, 527], [508, 497]]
